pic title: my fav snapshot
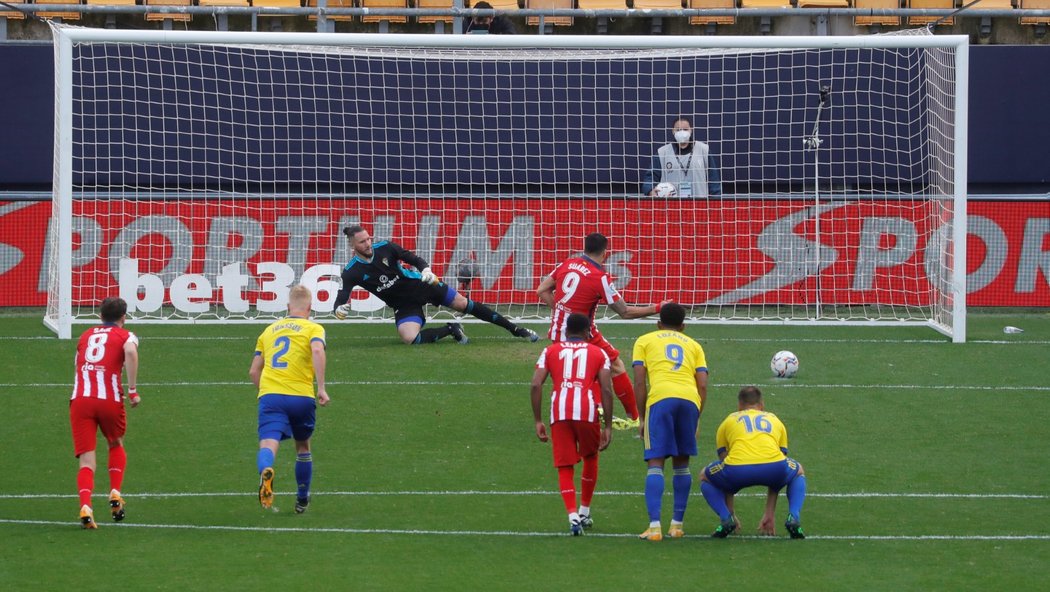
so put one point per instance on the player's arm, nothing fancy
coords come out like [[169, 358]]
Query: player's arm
[[545, 291], [536, 390], [635, 312], [319, 361], [641, 393], [701, 387], [341, 306], [605, 381], [403, 254], [131, 367], [255, 370]]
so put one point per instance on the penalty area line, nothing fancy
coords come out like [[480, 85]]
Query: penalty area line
[[520, 534]]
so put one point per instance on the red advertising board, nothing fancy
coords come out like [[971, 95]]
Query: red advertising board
[[725, 251]]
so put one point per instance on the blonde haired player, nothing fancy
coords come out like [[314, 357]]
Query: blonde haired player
[[289, 357]]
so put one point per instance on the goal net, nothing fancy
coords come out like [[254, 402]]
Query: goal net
[[199, 175]]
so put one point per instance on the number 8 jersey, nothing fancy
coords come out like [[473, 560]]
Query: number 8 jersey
[[100, 361], [580, 285]]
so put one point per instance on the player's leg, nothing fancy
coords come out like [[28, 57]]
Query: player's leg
[[796, 494], [303, 419], [274, 426], [566, 455], [658, 446], [588, 437], [457, 301], [410, 323], [113, 424], [623, 388], [686, 418], [84, 427], [715, 486]]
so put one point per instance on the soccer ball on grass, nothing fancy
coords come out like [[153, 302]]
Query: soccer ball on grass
[[784, 364]]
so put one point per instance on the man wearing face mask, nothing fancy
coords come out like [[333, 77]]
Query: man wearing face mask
[[498, 25], [685, 163]]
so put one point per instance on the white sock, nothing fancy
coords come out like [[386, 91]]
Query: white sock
[[585, 510], [573, 517], [654, 524]]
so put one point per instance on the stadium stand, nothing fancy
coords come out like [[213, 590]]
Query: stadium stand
[[876, 21], [434, 4], [712, 21], [602, 22], [823, 3], [333, 4], [169, 17], [564, 21], [930, 4], [66, 16], [379, 18], [278, 4], [13, 14], [1040, 21]]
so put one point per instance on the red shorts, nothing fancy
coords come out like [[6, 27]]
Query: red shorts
[[598, 339], [87, 416], [573, 440]]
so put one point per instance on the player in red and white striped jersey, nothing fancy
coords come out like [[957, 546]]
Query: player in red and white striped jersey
[[579, 370], [98, 403], [579, 285]]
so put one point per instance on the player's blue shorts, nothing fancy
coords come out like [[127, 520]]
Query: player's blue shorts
[[670, 428], [733, 478], [286, 416], [437, 294]]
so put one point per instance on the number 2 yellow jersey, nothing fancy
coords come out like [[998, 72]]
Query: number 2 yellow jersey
[[671, 360], [288, 367], [752, 437]]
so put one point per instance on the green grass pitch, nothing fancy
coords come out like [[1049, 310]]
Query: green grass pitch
[[926, 460]]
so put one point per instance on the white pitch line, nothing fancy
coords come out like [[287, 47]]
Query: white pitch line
[[526, 534], [469, 492]]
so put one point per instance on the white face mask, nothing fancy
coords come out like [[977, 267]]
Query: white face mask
[[682, 136]]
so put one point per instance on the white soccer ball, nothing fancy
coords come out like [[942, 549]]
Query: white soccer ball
[[665, 190], [784, 364]]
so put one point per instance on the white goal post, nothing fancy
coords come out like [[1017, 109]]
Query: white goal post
[[201, 174]]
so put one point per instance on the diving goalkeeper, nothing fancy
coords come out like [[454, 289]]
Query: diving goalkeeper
[[377, 268]]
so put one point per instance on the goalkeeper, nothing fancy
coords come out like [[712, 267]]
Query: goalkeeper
[[377, 268]]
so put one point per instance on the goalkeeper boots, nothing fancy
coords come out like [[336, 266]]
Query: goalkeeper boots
[[526, 333], [456, 330], [794, 527], [301, 503], [725, 529], [266, 488], [87, 518], [116, 505]]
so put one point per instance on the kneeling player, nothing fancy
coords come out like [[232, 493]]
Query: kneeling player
[[578, 369], [752, 450]]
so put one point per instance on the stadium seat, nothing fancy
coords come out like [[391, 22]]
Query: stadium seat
[[712, 20], [434, 4], [278, 4], [498, 4], [1034, 5], [375, 18], [823, 3], [222, 3], [172, 16], [868, 21], [657, 4], [564, 21], [333, 4], [66, 16], [931, 4], [765, 4], [13, 14]]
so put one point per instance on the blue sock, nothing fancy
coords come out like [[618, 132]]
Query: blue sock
[[716, 498], [796, 492], [682, 482], [304, 471], [654, 492], [264, 459]]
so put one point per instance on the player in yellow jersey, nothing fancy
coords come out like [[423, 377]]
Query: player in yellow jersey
[[289, 357], [752, 450], [670, 405]]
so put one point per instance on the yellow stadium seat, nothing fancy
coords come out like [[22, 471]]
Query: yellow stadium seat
[[66, 16], [1034, 5], [434, 4], [712, 20], [222, 2], [564, 21], [765, 4], [657, 4], [601, 4], [13, 14], [172, 16], [278, 4], [867, 21], [333, 4], [931, 5], [497, 4], [823, 3]]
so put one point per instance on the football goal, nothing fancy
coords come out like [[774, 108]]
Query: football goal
[[200, 174]]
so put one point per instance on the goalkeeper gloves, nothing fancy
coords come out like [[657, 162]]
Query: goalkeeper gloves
[[342, 310], [428, 276]]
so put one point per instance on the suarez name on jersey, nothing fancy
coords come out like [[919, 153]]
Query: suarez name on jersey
[[574, 368], [580, 285], [100, 361]]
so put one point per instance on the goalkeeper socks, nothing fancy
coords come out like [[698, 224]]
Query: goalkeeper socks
[[796, 493], [264, 459], [681, 483], [304, 472], [654, 492], [588, 479], [716, 498], [432, 335], [488, 315], [566, 477], [625, 393], [118, 460], [85, 485]]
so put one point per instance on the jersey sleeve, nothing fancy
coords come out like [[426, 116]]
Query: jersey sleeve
[[701, 359], [721, 438], [403, 254], [344, 291], [606, 364], [638, 355], [541, 363], [609, 291], [259, 345], [782, 440], [317, 333], [133, 339]]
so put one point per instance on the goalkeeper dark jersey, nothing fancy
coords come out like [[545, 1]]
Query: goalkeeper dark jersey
[[386, 278]]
